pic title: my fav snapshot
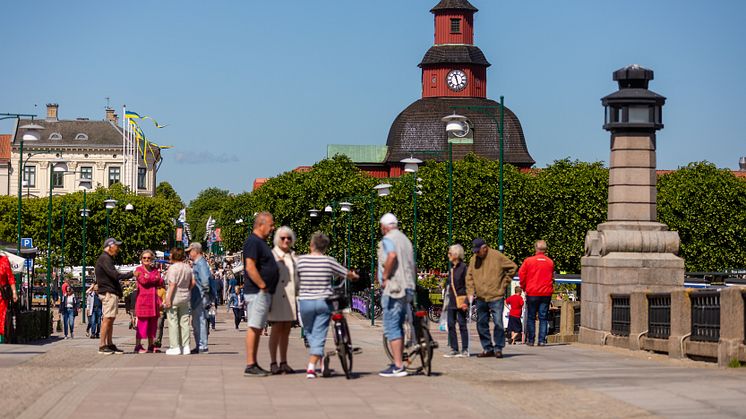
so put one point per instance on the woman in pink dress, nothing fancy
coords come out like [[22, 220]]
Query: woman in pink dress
[[148, 304]]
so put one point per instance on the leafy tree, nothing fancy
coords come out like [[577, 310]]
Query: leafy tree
[[208, 203], [707, 206]]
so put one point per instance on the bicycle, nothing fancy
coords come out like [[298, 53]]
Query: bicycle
[[419, 343], [342, 339]]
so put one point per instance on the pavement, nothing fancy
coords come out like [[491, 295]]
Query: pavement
[[68, 378]]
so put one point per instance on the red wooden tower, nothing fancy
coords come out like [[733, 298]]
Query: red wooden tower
[[454, 66]]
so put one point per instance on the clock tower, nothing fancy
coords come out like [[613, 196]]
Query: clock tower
[[454, 66], [454, 77]]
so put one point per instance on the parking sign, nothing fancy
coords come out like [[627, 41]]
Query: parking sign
[[27, 242]]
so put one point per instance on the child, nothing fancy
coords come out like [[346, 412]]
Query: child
[[236, 302], [515, 302]]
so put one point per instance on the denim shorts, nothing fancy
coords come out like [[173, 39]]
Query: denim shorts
[[394, 315], [257, 309]]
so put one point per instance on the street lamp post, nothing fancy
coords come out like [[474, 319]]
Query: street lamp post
[[62, 253], [84, 213], [54, 167], [382, 189], [109, 204], [489, 112]]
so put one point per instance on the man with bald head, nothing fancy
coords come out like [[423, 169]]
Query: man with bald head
[[261, 277], [537, 279]]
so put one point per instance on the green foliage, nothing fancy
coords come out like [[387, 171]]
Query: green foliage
[[558, 204], [208, 203], [707, 206], [147, 226]]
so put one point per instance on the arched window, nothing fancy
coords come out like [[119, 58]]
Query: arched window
[[55, 136], [81, 137]]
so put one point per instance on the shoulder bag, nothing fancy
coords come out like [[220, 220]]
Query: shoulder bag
[[460, 299]]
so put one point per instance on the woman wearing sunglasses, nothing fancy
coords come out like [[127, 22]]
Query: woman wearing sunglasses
[[148, 304], [282, 311]]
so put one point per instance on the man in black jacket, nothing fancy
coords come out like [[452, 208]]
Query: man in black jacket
[[109, 291]]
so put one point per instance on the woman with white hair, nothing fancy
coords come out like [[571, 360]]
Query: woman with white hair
[[456, 311], [282, 312]]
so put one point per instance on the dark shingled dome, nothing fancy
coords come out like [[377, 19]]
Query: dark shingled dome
[[419, 127], [454, 54], [454, 5]]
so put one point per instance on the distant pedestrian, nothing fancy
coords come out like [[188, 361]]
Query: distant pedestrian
[[458, 304], [69, 310], [537, 278], [201, 298], [490, 272], [110, 292], [236, 303], [93, 310], [148, 305], [515, 303], [180, 280], [315, 272], [396, 273], [282, 311], [261, 281]]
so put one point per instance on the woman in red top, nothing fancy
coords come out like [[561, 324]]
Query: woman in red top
[[148, 304], [7, 291]]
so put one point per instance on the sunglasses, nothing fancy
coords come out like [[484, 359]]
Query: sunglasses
[[147, 258], [286, 238]]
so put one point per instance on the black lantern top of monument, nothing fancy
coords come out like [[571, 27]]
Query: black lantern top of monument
[[454, 5], [633, 77], [633, 107]]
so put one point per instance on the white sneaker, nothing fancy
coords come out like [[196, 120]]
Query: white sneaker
[[186, 350], [173, 351]]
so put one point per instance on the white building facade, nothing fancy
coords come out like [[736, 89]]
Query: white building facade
[[67, 152]]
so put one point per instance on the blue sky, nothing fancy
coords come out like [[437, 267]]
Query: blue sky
[[254, 88]]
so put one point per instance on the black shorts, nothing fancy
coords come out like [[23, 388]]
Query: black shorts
[[514, 324]]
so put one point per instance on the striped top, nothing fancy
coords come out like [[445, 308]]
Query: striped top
[[315, 274]]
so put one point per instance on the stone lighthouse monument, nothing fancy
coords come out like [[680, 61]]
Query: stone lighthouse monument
[[631, 251]]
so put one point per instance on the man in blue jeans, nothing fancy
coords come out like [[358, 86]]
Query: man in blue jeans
[[537, 278], [490, 272], [200, 297], [396, 273]]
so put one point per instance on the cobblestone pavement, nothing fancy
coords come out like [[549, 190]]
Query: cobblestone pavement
[[67, 378]]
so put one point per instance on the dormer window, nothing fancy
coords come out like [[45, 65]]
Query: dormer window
[[55, 136], [455, 25], [81, 137]]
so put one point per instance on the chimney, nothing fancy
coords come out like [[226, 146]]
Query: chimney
[[52, 112], [742, 163], [111, 116]]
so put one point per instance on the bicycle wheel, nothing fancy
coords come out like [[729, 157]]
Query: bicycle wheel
[[407, 328], [344, 348], [434, 313], [426, 351]]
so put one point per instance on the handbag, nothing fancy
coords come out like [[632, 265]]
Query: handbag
[[460, 299]]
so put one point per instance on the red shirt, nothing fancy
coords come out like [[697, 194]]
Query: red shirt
[[537, 275], [515, 302]]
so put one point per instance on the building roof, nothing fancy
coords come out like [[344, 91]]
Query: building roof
[[419, 127], [359, 153], [454, 5], [101, 134], [454, 54], [5, 147]]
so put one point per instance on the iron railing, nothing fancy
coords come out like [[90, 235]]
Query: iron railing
[[705, 316], [659, 316], [620, 315]]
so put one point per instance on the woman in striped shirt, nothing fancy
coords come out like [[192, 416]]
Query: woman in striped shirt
[[315, 272]]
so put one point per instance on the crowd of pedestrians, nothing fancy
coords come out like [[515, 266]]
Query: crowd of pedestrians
[[284, 289]]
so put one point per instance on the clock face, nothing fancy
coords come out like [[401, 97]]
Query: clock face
[[456, 80]]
